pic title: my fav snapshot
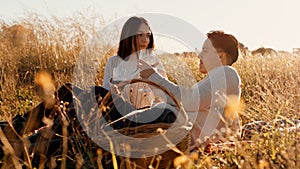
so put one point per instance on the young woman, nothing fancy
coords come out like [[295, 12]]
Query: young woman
[[136, 43]]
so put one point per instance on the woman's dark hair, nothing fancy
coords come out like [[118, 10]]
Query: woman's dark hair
[[128, 36], [226, 42]]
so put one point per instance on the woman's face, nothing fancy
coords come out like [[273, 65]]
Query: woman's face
[[143, 37]]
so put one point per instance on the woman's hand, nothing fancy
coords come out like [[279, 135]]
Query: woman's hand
[[146, 69]]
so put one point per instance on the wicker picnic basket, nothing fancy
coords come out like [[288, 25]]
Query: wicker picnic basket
[[159, 160], [173, 139]]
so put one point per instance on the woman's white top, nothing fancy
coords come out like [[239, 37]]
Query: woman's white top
[[117, 69]]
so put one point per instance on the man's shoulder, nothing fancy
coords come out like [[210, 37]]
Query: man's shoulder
[[226, 69]]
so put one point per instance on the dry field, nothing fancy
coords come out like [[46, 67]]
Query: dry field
[[270, 86]]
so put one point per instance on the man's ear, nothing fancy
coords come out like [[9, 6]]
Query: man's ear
[[223, 57]]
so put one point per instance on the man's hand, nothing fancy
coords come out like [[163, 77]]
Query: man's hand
[[146, 69]]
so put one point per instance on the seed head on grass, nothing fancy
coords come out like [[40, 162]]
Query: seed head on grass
[[45, 88], [232, 107]]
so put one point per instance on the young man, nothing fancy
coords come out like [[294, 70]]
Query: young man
[[212, 101]]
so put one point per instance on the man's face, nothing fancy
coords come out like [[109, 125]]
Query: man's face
[[207, 56]]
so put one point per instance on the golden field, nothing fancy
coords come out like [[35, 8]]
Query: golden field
[[270, 84]]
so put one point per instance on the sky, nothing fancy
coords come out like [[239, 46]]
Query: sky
[[255, 23]]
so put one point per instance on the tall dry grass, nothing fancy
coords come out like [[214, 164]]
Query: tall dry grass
[[52, 45], [270, 84]]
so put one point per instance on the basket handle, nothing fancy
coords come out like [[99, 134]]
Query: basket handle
[[136, 80]]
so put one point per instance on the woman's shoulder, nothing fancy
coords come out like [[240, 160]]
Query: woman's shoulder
[[115, 57]]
